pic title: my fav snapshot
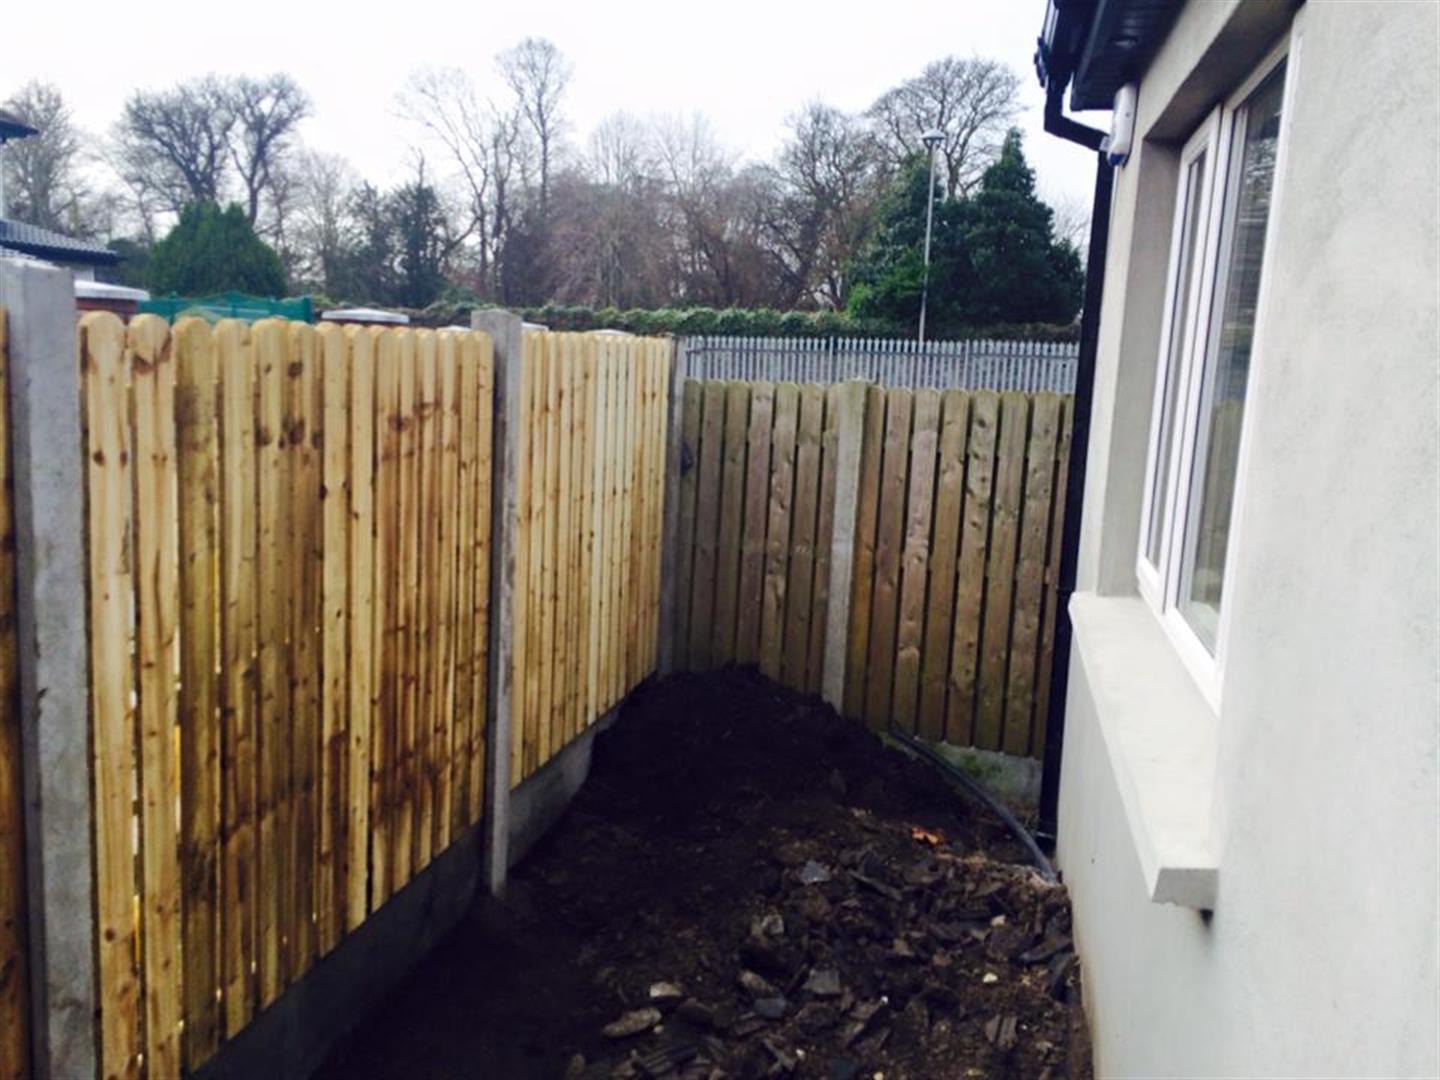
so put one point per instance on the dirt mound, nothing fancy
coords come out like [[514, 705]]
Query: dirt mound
[[750, 886]]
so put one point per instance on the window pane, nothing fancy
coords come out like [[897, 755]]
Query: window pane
[[1227, 364], [1186, 269]]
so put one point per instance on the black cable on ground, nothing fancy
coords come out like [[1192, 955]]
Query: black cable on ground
[[975, 790]]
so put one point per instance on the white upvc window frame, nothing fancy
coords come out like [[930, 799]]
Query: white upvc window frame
[[1160, 584]]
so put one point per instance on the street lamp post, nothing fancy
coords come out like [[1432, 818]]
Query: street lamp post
[[932, 138]]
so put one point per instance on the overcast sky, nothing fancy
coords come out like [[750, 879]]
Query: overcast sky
[[745, 64]]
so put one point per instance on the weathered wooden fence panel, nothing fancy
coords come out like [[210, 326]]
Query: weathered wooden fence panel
[[288, 536], [590, 507], [972, 512], [14, 977], [953, 561], [754, 528]]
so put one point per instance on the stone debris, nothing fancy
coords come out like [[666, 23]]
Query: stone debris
[[814, 873], [632, 1023], [757, 986], [662, 993], [823, 982]]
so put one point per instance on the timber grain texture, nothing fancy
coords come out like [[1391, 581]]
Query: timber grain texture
[[288, 558], [951, 556], [593, 415]]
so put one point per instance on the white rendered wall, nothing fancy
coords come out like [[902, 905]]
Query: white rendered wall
[[1321, 956]]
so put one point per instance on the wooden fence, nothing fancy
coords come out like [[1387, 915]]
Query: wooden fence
[[14, 977], [953, 562], [590, 509], [288, 558], [756, 509], [289, 535]]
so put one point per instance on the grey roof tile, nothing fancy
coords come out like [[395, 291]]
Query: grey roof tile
[[47, 244]]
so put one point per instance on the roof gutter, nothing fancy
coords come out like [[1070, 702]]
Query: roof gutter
[[1057, 123]]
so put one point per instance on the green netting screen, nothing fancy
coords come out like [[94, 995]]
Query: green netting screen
[[230, 305]]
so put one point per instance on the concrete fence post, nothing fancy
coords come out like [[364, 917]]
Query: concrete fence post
[[49, 498], [849, 434], [506, 331], [674, 463]]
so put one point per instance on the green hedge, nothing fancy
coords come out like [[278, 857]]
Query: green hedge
[[738, 322]]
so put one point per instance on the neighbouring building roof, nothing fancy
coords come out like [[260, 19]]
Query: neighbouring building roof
[[57, 247], [1100, 45], [366, 315], [100, 290], [12, 127]]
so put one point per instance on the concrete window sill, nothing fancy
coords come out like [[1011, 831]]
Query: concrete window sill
[[1160, 734]]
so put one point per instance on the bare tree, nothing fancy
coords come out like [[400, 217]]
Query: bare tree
[[1072, 222], [486, 145], [970, 101], [620, 152], [174, 145], [325, 186], [266, 112], [42, 172], [827, 170], [719, 215], [537, 74]]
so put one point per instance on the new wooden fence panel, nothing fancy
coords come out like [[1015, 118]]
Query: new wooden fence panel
[[550, 493], [633, 494], [566, 590], [363, 626], [661, 353], [14, 986], [611, 559], [590, 511], [384, 741], [109, 484], [198, 459], [272, 588], [597, 446], [152, 371], [620, 554], [239, 644], [446, 760], [302, 742], [252, 668], [426, 585], [405, 789], [577, 715], [334, 355]]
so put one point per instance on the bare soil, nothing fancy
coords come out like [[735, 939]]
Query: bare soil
[[752, 886]]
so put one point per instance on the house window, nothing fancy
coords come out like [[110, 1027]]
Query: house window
[[1225, 190]]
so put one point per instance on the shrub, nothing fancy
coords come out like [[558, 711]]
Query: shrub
[[211, 250]]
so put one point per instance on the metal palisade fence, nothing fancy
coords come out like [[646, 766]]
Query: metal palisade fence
[[1028, 366]]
